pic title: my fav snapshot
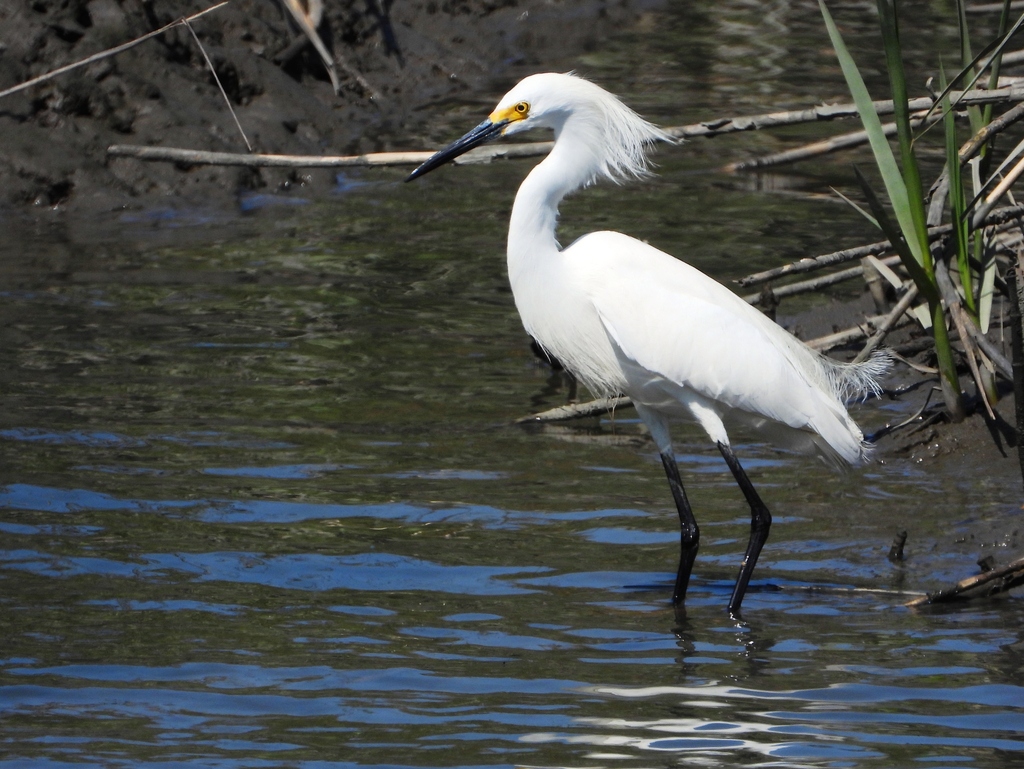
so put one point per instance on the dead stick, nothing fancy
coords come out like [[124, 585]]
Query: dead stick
[[720, 126], [886, 326], [810, 264], [1011, 176], [533, 149], [852, 334], [803, 152], [203, 157], [1005, 578], [999, 216], [1009, 57], [804, 286], [960, 320], [814, 149], [998, 125], [356, 75], [993, 7], [576, 410], [109, 52]]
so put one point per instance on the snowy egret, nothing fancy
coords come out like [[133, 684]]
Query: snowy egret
[[624, 317]]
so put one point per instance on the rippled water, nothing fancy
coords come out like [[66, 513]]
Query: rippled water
[[264, 503]]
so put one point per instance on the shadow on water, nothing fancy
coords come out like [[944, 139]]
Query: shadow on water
[[263, 502]]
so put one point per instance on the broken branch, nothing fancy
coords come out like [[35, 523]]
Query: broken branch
[[577, 410], [979, 586]]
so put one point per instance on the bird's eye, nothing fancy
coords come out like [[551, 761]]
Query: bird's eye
[[522, 108]]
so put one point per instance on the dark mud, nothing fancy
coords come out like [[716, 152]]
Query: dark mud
[[415, 54]]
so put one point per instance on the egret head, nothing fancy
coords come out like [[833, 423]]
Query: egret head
[[615, 136]]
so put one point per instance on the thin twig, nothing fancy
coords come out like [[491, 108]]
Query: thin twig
[[852, 334], [534, 149], [826, 343], [919, 367], [824, 112], [813, 284], [213, 71], [999, 216], [202, 157], [996, 126], [839, 590], [993, 197], [356, 75], [805, 151], [107, 53], [810, 264], [960, 320], [993, 7], [814, 149], [886, 325], [577, 410], [890, 429], [988, 347]]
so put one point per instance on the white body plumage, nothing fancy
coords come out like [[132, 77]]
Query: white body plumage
[[626, 317]]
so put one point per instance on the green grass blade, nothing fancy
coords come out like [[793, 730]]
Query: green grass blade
[[966, 56], [910, 237], [858, 208], [925, 283], [892, 178], [997, 57], [901, 112], [967, 63], [926, 286], [996, 65], [958, 208], [996, 49]]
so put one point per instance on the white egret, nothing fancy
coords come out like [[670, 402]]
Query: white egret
[[624, 317]]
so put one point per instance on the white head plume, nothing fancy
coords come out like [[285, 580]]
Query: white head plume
[[615, 136]]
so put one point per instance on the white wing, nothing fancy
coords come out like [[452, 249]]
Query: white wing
[[679, 325]]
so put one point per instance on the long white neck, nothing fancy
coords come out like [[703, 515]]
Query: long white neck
[[531, 232]]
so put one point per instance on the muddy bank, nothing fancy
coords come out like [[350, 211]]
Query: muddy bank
[[161, 92], [980, 445]]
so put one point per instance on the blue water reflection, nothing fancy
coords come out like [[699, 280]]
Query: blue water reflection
[[42, 499], [309, 571]]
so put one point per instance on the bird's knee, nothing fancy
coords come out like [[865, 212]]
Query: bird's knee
[[689, 536], [760, 520]]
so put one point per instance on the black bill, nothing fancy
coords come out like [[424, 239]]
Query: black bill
[[479, 135]]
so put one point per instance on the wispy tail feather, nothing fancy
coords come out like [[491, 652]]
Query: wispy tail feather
[[857, 381]]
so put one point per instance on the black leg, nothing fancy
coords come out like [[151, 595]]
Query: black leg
[[760, 523], [689, 534]]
